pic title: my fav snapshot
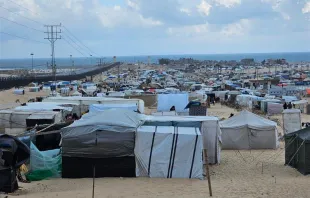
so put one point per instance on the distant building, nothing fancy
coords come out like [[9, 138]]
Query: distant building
[[247, 61]]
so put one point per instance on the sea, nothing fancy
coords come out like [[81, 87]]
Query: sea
[[43, 63]]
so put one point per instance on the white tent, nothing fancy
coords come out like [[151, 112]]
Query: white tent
[[44, 106], [84, 102], [166, 101], [168, 152], [301, 104], [19, 91], [104, 107], [209, 127], [14, 122], [291, 120], [249, 131], [165, 113]]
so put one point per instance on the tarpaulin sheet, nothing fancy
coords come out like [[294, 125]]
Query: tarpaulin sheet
[[249, 131], [274, 108], [166, 101], [291, 120], [103, 107], [169, 152], [102, 134]]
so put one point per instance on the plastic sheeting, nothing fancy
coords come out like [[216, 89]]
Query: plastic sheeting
[[274, 108], [291, 120], [44, 164], [166, 101], [249, 131], [169, 152], [289, 98], [244, 100], [42, 106], [168, 113], [34, 89], [19, 91], [104, 107], [209, 127], [101, 135], [13, 119], [85, 101]]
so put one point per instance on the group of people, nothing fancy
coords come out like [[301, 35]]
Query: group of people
[[287, 106]]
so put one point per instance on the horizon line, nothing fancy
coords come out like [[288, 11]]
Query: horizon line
[[143, 55]]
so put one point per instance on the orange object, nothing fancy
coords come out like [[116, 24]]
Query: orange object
[[308, 91]]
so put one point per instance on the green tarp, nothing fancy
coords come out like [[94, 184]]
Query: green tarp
[[297, 150], [44, 164]]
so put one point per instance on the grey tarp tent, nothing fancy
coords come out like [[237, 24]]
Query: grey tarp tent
[[101, 134], [249, 131], [102, 139], [297, 150]]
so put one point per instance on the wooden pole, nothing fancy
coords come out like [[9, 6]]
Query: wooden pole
[[207, 171], [94, 175]]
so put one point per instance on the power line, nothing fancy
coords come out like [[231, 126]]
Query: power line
[[23, 7], [22, 15], [80, 41], [22, 37], [21, 24], [81, 49], [75, 48]]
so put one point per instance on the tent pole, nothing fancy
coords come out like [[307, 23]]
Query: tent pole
[[207, 171], [94, 173]]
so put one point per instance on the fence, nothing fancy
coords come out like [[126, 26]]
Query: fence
[[7, 83]]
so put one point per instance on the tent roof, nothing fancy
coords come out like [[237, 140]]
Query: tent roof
[[110, 117], [247, 118], [291, 111], [43, 116], [43, 106], [303, 134], [178, 118]]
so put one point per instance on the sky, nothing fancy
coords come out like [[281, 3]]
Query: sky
[[153, 27]]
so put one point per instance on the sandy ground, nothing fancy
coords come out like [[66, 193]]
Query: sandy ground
[[8, 98], [259, 173], [238, 175]]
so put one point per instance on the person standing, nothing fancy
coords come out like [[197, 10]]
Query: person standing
[[289, 106], [285, 106]]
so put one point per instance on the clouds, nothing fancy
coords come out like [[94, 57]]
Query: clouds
[[126, 27], [228, 3], [204, 8], [116, 16], [306, 8]]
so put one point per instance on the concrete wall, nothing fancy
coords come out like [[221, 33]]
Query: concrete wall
[[7, 83]]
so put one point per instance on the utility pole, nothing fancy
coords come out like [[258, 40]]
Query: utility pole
[[72, 63], [53, 36], [275, 70], [32, 63], [118, 71]]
